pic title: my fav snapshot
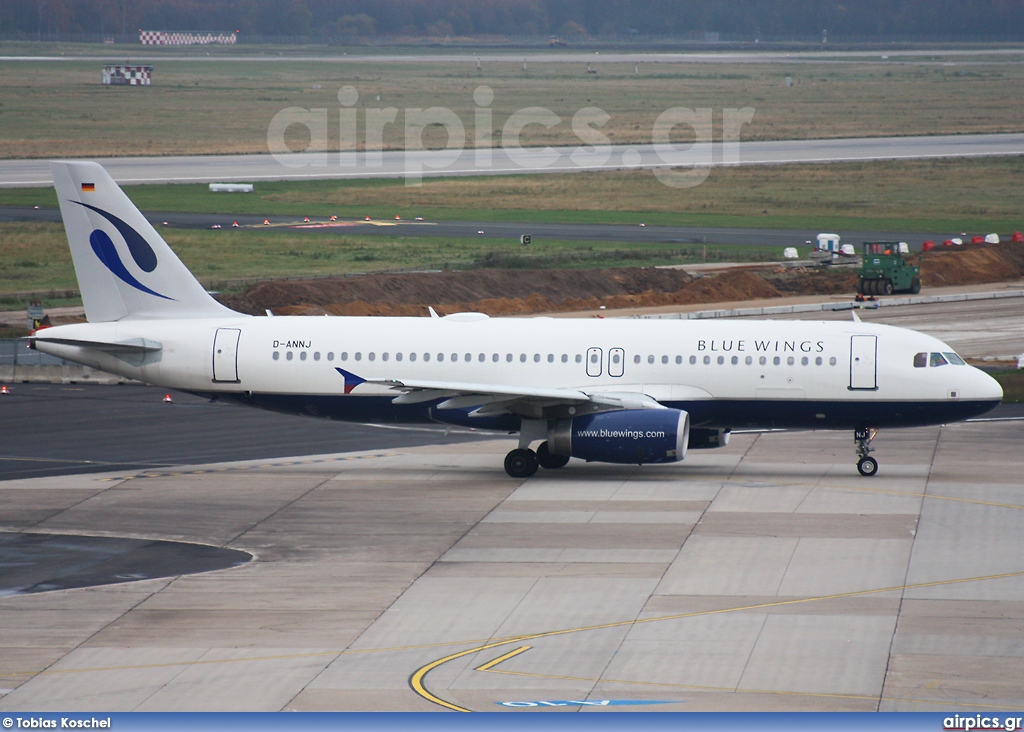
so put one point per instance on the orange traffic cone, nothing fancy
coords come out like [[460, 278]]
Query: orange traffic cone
[[4, 389], [266, 222], [333, 217], [367, 218], [167, 399], [234, 224], [306, 219], [398, 218]]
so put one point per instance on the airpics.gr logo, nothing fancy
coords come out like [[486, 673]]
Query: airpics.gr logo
[[138, 247]]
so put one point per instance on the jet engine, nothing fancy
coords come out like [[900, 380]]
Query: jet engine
[[629, 436]]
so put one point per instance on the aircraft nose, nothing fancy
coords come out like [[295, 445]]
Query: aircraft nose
[[985, 388]]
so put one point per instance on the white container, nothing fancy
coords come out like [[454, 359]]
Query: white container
[[790, 253], [231, 188]]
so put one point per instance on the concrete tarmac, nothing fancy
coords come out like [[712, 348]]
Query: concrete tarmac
[[767, 575]]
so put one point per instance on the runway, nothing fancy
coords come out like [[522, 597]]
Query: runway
[[514, 160], [539, 232]]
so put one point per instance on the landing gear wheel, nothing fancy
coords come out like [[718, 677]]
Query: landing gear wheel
[[521, 463], [548, 460], [886, 287], [867, 466]]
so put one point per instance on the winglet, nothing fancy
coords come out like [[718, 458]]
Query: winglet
[[351, 380], [856, 318], [433, 313]]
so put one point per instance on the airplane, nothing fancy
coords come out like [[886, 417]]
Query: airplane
[[609, 390]]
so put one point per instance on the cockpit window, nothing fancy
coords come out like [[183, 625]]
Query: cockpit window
[[954, 359], [937, 359], [920, 360]]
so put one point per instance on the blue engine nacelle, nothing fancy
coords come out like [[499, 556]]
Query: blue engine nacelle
[[630, 436]]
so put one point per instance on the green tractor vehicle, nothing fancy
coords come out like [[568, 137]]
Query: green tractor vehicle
[[883, 270]]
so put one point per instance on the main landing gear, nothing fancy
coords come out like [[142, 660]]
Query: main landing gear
[[522, 463], [867, 465]]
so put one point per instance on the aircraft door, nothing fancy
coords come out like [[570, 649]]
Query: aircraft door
[[864, 362], [225, 355], [616, 361], [594, 358]]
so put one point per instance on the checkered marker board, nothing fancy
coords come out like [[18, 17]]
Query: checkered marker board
[[184, 38], [128, 75]]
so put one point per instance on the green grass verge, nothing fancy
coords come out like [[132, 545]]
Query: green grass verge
[[1013, 385], [941, 196], [228, 259]]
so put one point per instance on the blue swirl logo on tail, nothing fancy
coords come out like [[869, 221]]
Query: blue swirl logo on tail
[[138, 247]]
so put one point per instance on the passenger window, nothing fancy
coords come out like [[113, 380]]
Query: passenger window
[[832, 361], [664, 359], [551, 358], [398, 356], [508, 357], [412, 356], [636, 359], [817, 361], [650, 359], [749, 360], [937, 360], [358, 356], [679, 360], [302, 356], [565, 358], [330, 355], [289, 355], [615, 358], [707, 360], [536, 358], [495, 357], [776, 360], [440, 357], [371, 356], [593, 358], [735, 360], [804, 361], [344, 355], [316, 356], [693, 360], [455, 358], [579, 358], [426, 356], [481, 358], [954, 359], [762, 360], [920, 360], [790, 361], [384, 357], [277, 355], [522, 358]]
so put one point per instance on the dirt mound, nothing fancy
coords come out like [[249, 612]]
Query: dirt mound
[[974, 266], [497, 292], [518, 292]]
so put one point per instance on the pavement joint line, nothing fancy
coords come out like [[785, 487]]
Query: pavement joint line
[[500, 641], [243, 468], [416, 680]]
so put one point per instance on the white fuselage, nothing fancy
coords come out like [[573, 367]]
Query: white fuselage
[[768, 367]]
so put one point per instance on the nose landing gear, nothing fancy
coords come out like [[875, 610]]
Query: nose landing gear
[[866, 465]]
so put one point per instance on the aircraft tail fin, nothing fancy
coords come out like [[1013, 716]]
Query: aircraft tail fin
[[124, 267]]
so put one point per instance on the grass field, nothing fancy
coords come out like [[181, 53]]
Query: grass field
[[37, 257], [941, 196], [220, 105]]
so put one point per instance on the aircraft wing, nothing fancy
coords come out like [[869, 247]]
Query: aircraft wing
[[491, 399]]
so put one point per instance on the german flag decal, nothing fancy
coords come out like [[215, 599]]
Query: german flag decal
[[89, 187]]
